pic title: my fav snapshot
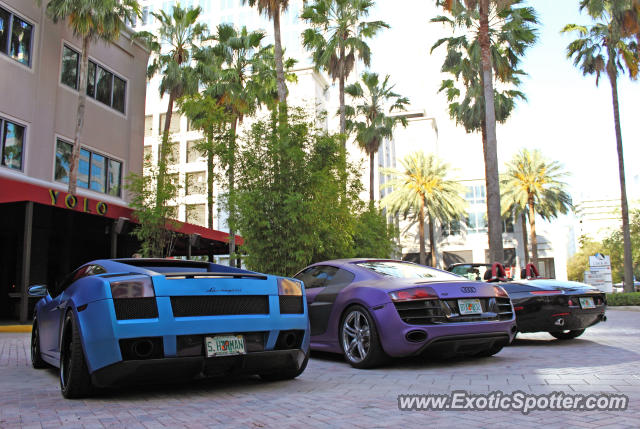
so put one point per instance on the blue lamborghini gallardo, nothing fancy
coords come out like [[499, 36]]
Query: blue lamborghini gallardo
[[120, 321]]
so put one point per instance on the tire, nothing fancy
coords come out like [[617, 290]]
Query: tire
[[359, 339], [36, 358], [567, 335], [287, 374], [75, 381]]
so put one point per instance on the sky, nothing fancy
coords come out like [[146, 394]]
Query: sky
[[566, 117]]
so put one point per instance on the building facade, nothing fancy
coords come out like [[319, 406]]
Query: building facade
[[45, 232]]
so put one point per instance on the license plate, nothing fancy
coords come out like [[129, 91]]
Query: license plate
[[470, 306], [587, 303], [224, 345]]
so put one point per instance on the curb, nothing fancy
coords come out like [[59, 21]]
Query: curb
[[624, 307], [15, 328]]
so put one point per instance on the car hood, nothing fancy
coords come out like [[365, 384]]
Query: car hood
[[445, 289]]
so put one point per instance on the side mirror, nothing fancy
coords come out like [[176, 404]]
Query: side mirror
[[38, 290]]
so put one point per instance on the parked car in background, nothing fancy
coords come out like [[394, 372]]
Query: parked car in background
[[371, 309], [564, 309], [120, 321]]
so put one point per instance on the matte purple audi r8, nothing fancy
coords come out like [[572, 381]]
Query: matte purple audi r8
[[369, 309]]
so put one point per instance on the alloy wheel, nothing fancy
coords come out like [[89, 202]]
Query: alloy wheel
[[356, 336]]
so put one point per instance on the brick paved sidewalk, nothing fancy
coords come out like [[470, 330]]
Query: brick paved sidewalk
[[332, 394]]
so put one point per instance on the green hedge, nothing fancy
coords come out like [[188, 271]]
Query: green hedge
[[632, 298]]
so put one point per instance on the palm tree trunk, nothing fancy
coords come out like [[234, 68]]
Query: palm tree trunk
[[210, 179], [423, 252], [82, 100], [534, 238], [341, 79], [432, 242], [496, 252], [162, 158], [371, 176], [231, 217], [525, 241], [626, 234], [282, 88]]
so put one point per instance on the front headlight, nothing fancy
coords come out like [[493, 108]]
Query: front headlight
[[289, 287]]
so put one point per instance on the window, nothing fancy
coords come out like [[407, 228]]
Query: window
[[148, 154], [196, 183], [102, 85], [318, 276], [11, 144], [475, 194], [104, 81], [451, 228], [96, 172], [507, 224], [174, 126], [476, 222], [173, 155], [145, 15], [148, 125], [405, 270], [193, 154], [196, 214], [70, 63], [15, 37]]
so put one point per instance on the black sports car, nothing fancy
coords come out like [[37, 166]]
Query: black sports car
[[562, 308]]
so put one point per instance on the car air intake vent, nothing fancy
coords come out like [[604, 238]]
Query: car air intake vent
[[223, 305], [135, 308], [291, 305]]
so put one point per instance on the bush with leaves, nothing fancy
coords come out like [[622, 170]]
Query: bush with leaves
[[297, 198], [153, 218]]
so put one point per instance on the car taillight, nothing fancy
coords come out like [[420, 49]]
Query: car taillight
[[133, 288], [500, 292], [546, 292], [289, 287], [413, 294]]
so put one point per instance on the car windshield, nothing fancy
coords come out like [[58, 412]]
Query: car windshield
[[406, 270], [471, 272]]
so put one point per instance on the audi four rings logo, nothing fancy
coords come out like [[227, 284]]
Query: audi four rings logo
[[468, 289]]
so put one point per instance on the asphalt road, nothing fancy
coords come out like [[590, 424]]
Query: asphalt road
[[332, 394]]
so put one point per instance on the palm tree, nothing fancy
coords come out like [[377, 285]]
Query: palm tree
[[272, 9], [535, 183], [337, 37], [608, 47], [241, 85], [369, 118], [486, 19], [177, 39], [91, 21], [206, 114], [423, 188]]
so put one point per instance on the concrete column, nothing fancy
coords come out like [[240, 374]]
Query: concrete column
[[26, 261]]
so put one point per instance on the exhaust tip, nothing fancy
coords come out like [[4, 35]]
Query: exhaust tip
[[143, 349], [559, 322], [603, 318], [416, 336]]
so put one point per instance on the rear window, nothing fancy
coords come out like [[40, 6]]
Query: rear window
[[406, 270], [471, 272]]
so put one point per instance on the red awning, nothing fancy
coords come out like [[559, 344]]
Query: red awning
[[16, 191]]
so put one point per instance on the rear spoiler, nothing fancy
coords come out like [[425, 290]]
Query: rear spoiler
[[200, 274]]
